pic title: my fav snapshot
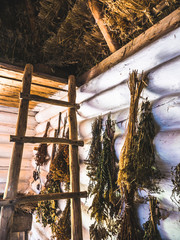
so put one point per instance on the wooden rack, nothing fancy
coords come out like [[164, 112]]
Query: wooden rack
[[10, 199]]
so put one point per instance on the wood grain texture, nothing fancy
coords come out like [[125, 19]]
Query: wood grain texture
[[15, 164], [46, 140], [76, 219]]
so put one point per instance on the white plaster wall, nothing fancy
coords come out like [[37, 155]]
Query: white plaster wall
[[109, 93]]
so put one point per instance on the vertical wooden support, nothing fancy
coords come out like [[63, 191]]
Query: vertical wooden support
[[76, 221], [6, 219], [26, 235]]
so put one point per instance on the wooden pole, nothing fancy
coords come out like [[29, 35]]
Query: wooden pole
[[46, 140], [96, 10], [76, 221], [26, 235], [42, 197], [33, 97], [6, 219]]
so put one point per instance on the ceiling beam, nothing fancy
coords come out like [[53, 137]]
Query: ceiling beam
[[166, 25]]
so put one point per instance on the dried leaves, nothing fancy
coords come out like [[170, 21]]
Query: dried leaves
[[175, 178], [102, 171]]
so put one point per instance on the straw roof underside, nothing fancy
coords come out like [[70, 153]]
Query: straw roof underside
[[64, 34]]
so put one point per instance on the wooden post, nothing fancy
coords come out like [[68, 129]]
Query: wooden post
[[96, 10], [26, 235], [76, 221], [6, 220]]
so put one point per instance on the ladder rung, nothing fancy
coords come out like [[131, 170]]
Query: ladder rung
[[42, 197], [32, 97], [45, 140]]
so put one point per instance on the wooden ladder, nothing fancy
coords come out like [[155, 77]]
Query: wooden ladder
[[10, 200]]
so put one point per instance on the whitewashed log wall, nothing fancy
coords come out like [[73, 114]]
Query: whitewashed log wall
[[109, 93], [8, 118]]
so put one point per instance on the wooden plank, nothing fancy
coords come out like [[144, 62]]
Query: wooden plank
[[10, 129], [14, 102], [46, 140], [26, 163], [8, 89], [76, 219], [11, 118], [17, 72], [169, 23], [15, 110], [32, 97], [17, 82], [42, 197], [6, 219]]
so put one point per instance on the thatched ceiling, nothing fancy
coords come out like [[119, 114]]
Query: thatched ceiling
[[63, 36]]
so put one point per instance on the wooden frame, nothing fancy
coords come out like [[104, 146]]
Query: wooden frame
[[7, 212]]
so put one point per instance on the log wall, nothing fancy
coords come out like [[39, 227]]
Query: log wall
[[8, 119], [109, 92]]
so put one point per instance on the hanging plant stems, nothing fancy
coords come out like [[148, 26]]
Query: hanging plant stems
[[102, 170], [130, 229], [175, 173], [47, 211], [42, 156], [150, 227], [63, 230]]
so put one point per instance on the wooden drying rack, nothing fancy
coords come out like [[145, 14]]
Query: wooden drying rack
[[10, 199]]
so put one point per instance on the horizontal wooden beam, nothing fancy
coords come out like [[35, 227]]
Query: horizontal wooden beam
[[32, 97], [35, 84], [46, 140], [166, 25], [42, 197], [18, 71]]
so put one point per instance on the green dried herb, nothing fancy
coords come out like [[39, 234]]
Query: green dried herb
[[175, 178], [102, 170], [150, 227]]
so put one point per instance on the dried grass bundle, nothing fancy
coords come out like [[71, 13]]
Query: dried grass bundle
[[130, 229]]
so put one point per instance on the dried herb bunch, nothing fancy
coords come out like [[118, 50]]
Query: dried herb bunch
[[48, 211], [150, 227], [102, 170], [130, 228], [42, 156], [59, 169], [175, 178], [63, 230], [144, 168]]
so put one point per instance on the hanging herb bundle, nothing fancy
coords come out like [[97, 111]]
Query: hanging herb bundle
[[143, 166], [150, 227], [102, 170], [94, 154], [42, 156], [130, 228], [60, 165], [137, 167], [48, 210], [175, 172], [63, 230]]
